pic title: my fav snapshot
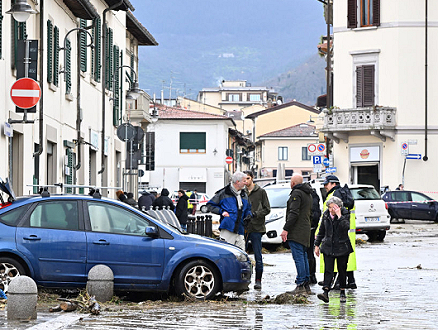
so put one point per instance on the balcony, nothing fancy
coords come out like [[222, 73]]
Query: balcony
[[376, 121], [141, 112]]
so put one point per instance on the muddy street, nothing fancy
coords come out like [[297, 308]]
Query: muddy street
[[397, 285]]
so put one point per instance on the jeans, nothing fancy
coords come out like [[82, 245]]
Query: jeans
[[299, 254], [256, 242]]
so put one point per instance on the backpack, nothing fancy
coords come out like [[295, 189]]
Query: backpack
[[316, 209], [344, 193]]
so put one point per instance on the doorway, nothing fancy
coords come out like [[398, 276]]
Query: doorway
[[367, 174]]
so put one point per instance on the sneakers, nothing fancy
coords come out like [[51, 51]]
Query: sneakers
[[324, 296], [342, 297], [258, 284], [300, 289], [307, 288]]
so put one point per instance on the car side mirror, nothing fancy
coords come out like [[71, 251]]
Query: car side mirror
[[152, 232]]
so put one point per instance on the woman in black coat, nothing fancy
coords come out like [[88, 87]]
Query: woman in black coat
[[163, 201], [333, 241], [181, 209]]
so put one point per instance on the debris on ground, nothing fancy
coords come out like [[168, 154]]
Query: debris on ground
[[83, 302], [287, 298], [360, 241]]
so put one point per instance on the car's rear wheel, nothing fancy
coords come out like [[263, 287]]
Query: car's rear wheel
[[372, 236], [204, 209], [381, 235], [9, 269], [197, 279]]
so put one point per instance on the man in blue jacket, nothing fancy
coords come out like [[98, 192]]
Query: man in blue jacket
[[231, 203]]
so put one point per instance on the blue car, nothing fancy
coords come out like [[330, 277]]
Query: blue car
[[57, 239]]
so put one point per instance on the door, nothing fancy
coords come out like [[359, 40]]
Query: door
[[117, 239], [422, 210], [367, 174], [52, 240], [401, 209]]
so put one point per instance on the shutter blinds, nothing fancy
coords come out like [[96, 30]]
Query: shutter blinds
[[49, 51], [67, 66], [352, 14], [365, 86], [359, 86], [96, 51], [116, 96], [83, 45], [376, 12], [56, 56]]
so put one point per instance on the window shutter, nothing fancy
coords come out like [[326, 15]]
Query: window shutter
[[150, 151], [376, 12], [352, 14], [96, 51], [83, 45], [116, 96], [68, 67], [49, 51], [56, 56], [132, 63], [69, 178], [368, 85], [109, 58], [1, 29], [359, 86]]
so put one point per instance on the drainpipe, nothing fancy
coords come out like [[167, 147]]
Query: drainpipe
[[425, 158], [41, 80], [103, 83]]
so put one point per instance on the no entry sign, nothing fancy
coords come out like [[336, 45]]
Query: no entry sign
[[25, 93], [228, 160]]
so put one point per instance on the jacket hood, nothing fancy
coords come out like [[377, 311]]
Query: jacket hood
[[304, 187], [164, 192]]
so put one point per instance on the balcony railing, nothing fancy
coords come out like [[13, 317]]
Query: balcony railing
[[141, 111], [377, 121]]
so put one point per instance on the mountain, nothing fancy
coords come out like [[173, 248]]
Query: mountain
[[203, 42]]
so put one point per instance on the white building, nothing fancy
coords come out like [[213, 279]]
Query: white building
[[72, 138], [190, 150], [382, 98]]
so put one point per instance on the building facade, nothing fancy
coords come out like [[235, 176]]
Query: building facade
[[70, 136], [383, 101]]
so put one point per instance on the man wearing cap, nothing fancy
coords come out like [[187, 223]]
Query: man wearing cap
[[332, 186]]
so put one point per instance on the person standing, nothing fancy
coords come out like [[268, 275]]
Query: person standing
[[315, 217], [255, 226], [120, 195], [194, 199], [145, 201], [163, 201], [333, 241], [296, 231], [333, 188], [231, 203], [181, 209], [130, 199]]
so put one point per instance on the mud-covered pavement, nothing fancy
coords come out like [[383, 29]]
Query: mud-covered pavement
[[397, 286]]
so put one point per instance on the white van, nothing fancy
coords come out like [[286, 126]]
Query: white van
[[372, 218]]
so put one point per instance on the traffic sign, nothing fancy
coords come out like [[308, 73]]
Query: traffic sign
[[326, 162], [404, 148], [413, 156], [321, 147], [315, 149], [317, 160], [317, 168], [311, 148], [331, 170], [25, 93], [228, 160], [7, 130]]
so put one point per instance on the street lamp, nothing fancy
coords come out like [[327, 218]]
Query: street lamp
[[21, 10]]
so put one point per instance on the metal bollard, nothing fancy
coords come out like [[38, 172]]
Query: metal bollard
[[101, 283], [198, 225], [202, 226], [208, 226], [22, 299], [191, 224]]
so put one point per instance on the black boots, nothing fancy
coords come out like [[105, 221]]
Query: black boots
[[258, 280], [342, 297], [324, 296]]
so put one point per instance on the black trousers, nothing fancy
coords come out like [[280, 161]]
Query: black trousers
[[310, 253], [329, 266]]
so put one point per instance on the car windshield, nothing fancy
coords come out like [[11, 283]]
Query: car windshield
[[278, 197], [364, 193]]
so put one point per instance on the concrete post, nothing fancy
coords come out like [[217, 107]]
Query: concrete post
[[101, 283], [22, 299]]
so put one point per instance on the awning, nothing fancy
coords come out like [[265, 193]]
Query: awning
[[82, 9], [139, 31]]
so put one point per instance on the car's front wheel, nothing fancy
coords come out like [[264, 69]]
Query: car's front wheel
[[9, 269], [197, 279], [204, 209]]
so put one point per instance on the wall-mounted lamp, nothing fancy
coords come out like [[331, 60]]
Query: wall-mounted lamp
[[214, 151], [21, 10]]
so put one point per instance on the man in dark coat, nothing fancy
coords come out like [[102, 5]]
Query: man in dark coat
[[130, 199], [296, 231], [145, 201], [163, 201], [181, 209]]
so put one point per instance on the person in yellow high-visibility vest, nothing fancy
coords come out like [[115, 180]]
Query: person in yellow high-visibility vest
[[331, 184]]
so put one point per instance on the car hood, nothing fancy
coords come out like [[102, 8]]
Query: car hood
[[212, 242]]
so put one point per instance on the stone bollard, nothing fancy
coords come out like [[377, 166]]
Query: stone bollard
[[22, 299], [101, 283]]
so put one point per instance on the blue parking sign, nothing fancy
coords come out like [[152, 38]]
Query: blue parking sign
[[317, 160]]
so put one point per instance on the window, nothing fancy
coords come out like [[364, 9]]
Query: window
[[305, 154], [369, 13], [116, 220], [419, 198], [117, 118], [192, 142], [234, 97], [14, 216], [254, 97], [282, 153], [365, 86], [56, 215]]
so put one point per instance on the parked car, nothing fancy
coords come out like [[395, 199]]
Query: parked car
[[372, 218], [57, 239], [202, 201], [405, 204]]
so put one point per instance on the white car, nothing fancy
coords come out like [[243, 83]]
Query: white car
[[372, 218]]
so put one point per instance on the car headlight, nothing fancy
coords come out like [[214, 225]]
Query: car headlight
[[276, 215], [241, 256]]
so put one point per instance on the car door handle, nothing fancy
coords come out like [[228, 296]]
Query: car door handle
[[32, 238], [101, 242], [413, 205]]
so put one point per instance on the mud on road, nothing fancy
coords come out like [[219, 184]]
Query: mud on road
[[397, 285]]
